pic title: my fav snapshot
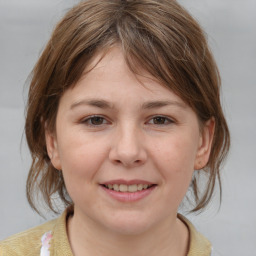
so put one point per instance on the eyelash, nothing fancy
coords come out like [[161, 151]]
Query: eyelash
[[167, 120], [88, 121]]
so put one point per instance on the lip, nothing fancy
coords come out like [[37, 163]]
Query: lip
[[128, 196], [127, 182]]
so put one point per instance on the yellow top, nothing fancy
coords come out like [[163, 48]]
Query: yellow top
[[51, 239]]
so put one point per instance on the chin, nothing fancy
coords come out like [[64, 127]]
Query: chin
[[129, 224], [129, 229]]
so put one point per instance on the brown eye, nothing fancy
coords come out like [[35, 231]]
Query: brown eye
[[96, 120], [159, 120]]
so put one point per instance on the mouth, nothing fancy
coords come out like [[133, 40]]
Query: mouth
[[128, 191], [128, 188]]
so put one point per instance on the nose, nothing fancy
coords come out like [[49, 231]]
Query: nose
[[128, 147]]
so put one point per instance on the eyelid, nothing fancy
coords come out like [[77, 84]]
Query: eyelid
[[88, 118], [167, 118]]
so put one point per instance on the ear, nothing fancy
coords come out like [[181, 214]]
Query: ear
[[52, 149], [205, 144]]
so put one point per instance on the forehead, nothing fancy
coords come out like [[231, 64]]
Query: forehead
[[111, 61], [109, 79]]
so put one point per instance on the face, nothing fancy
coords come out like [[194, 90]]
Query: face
[[127, 147]]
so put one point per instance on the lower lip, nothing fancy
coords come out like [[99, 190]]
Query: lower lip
[[129, 196]]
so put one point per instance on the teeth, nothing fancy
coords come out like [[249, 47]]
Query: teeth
[[140, 187], [127, 188], [123, 188], [116, 187], [110, 186], [133, 188]]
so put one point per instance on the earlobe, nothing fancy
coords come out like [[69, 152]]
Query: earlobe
[[52, 149], [205, 144]]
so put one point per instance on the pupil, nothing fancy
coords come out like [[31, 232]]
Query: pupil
[[159, 120], [97, 120]]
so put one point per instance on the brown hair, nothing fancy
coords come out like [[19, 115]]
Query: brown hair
[[157, 35]]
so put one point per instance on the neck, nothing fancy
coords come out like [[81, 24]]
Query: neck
[[170, 237]]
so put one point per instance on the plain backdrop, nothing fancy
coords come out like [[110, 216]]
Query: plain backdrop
[[25, 27]]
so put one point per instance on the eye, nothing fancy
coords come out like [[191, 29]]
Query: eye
[[95, 121], [160, 120]]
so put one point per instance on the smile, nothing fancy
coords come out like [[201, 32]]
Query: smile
[[128, 191], [128, 188]]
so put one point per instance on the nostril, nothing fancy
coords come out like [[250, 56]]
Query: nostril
[[126, 163], [118, 162]]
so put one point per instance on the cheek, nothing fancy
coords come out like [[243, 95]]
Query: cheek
[[81, 161], [175, 159], [177, 155], [81, 157]]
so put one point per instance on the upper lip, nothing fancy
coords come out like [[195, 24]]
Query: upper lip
[[127, 182]]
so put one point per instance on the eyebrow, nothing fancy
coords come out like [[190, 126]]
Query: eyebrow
[[100, 103], [92, 102], [160, 104]]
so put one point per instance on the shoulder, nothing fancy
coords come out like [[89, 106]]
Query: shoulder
[[47, 239], [198, 245], [27, 242]]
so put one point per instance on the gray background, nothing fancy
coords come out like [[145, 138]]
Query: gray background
[[25, 26]]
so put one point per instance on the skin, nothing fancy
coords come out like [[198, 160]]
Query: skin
[[142, 131]]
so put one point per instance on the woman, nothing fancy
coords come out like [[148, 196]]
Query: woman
[[123, 116]]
